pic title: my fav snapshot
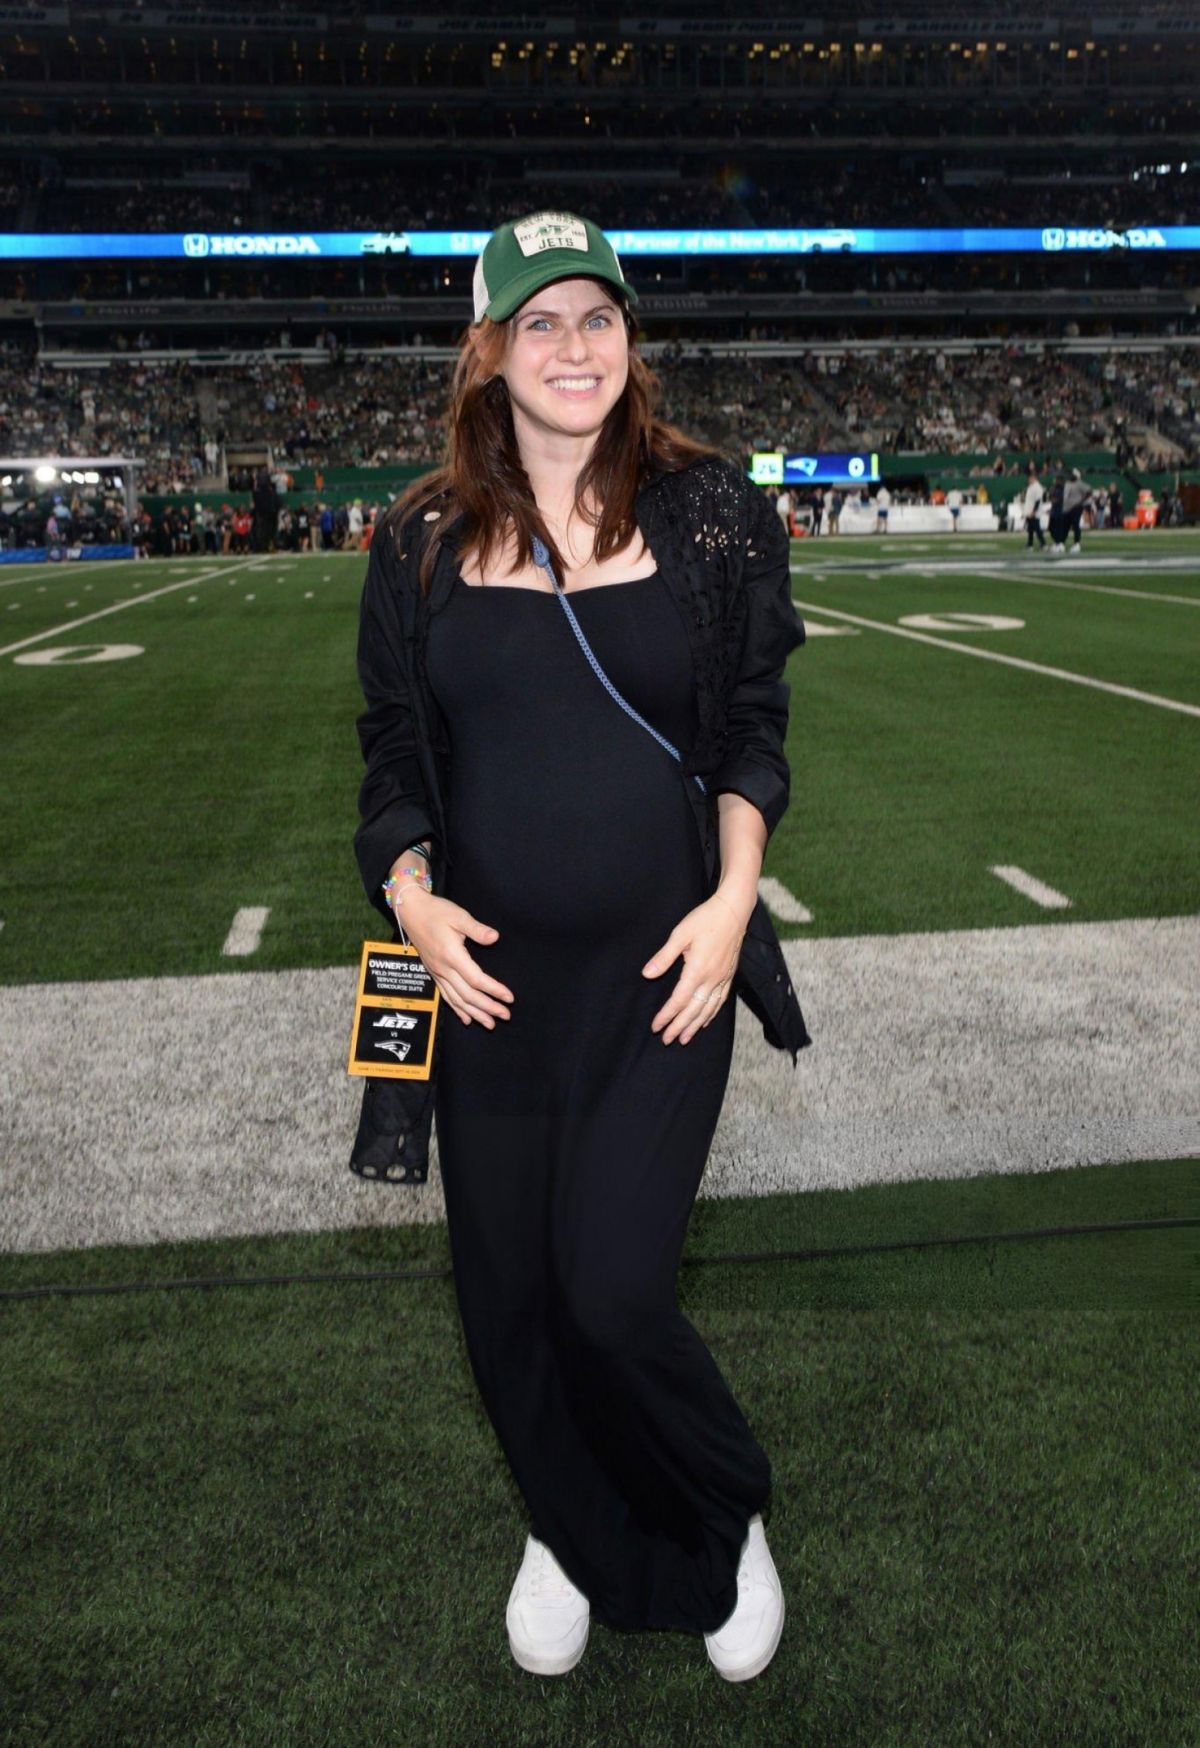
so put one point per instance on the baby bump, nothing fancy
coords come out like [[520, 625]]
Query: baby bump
[[577, 860]]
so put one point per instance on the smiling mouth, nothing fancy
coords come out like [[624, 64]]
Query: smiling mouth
[[574, 385]]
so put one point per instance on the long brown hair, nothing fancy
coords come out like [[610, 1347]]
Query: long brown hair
[[481, 465]]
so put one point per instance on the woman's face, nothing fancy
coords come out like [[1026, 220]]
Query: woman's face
[[566, 358]]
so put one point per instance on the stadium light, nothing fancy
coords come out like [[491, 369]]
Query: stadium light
[[45, 473]]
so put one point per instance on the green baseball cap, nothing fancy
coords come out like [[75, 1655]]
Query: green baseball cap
[[527, 253]]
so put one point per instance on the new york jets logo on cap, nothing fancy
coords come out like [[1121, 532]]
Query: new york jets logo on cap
[[550, 230], [532, 251]]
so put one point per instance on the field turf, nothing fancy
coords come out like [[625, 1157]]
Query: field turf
[[243, 1507]]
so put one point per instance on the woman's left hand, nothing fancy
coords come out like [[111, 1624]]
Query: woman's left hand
[[710, 939]]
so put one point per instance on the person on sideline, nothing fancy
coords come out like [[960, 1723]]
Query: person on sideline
[[954, 503], [1076, 493], [1031, 506], [783, 509], [551, 870], [1057, 516], [883, 503]]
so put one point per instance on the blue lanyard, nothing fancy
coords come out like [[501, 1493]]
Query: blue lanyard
[[541, 556]]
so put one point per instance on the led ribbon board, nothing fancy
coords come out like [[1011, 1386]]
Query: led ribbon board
[[222, 247]]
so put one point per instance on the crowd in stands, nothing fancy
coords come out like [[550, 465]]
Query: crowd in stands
[[1005, 398], [389, 409], [688, 199], [1163, 389], [1059, 294], [135, 409], [1070, 286], [752, 111], [735, 188], [148, 206], [846, 191], [375, 197], [1136, 193], [350, 414]]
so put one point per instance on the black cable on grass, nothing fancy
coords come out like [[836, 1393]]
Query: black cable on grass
[[208, 1282]]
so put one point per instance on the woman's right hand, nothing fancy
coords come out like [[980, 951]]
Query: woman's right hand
[[439, 929]]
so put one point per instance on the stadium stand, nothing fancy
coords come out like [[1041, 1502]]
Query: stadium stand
[[206, 368]]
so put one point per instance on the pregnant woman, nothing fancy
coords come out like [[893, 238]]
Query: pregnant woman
[[585, 958]]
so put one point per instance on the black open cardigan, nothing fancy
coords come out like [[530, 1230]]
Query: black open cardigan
[[723, 553]]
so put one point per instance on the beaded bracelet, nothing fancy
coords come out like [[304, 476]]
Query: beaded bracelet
[[418, 874], [393, 883]]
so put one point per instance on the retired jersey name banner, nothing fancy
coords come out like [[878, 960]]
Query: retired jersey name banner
[[395, 1014]]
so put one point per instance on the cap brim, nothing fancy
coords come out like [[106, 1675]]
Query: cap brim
[[534, 278]]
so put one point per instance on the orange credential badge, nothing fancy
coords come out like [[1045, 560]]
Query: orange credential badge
[[395, 1014]]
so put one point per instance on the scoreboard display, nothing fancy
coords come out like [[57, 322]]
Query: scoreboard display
[[774, 468]]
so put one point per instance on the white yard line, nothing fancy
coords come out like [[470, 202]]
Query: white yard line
[[245, 932], [68, 568], [782, 903], [1008, 661], [118, 607], [1029, 887], [1019, 570], [1006, 575]]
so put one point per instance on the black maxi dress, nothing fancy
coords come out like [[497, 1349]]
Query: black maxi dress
[[571, 1139]]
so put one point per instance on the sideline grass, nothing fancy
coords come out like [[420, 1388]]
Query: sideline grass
[[1137, 1271], [279, 1515]]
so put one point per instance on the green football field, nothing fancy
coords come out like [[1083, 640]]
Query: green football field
[[179, 743], [241, 1481]]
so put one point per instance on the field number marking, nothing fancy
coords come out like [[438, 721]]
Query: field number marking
[[1010, 661], [814, 628], [76, 654], [962, 622]]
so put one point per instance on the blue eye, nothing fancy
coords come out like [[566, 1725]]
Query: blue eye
[[537, 320]]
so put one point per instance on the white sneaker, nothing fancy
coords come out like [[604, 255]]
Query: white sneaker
[[1058, 550], [547, 1617], [1074, 551], [744, 1644]]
